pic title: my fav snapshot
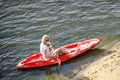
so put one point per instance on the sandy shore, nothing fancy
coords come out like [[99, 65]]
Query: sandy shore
[[105, 68]]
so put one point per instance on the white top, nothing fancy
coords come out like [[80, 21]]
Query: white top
[[44, 50]]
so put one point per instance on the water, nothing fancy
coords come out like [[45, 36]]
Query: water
[[24, 22]]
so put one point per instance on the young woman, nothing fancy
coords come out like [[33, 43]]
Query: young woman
[[47, 50]]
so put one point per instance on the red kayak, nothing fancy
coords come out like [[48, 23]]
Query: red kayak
[[75, 49]]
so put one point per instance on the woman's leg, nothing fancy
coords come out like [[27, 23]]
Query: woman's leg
[[64, 50], [60, 50]]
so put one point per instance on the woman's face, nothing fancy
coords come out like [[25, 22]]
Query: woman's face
[[47, 39]]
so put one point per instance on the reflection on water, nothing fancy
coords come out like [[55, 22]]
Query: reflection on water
[[53, 76], [49, 74]]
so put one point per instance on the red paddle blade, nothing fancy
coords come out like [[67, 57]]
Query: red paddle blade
[[59, 62]]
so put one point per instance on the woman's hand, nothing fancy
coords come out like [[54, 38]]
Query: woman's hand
[[51, 46]]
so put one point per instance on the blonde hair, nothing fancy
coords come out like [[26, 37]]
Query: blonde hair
[[43, 39]]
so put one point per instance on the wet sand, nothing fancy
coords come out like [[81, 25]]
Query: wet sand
[[105, 68]]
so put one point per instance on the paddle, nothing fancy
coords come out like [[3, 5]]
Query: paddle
[[59, 61]]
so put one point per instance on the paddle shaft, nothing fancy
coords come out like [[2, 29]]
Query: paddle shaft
[[59, 61]]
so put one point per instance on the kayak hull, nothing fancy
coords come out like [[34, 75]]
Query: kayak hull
[[75, 49]]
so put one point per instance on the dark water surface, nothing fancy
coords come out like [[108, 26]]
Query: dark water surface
[[24, 22]]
